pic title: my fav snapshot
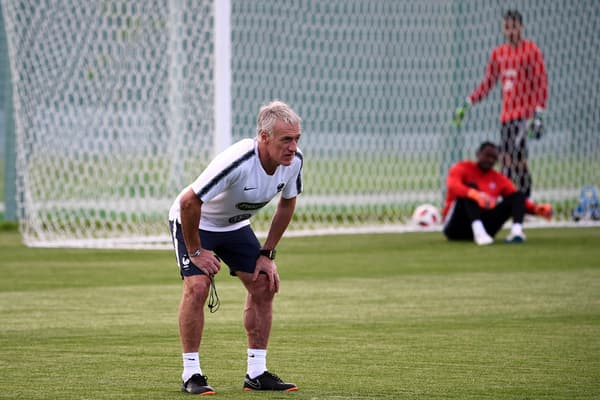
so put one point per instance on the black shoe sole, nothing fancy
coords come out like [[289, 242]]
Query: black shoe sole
[[292, 389]]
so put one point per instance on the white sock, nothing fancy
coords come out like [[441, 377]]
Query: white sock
[[257, 362], [478, 228], [516, 229], [191, 365]]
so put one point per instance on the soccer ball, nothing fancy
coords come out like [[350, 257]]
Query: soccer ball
[[426, 216]]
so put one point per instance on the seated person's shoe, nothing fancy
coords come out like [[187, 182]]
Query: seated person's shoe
[[515, 238], [483, 239]]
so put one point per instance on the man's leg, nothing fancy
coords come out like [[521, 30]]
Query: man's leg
[[258, 317], [191, 316], [239, 250], [514, 154], [191, 325], [258, 311], [517, 211], [191, 311], [517, 206], [458, 223], [512, 206], [525, 181], [463, 222], [520, 159]]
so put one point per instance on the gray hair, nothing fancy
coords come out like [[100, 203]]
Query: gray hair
[[273, 111]]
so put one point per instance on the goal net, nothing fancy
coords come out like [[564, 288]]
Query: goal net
[[118, 105]]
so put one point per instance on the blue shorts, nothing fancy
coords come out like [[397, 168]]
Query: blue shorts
[[239, 249]]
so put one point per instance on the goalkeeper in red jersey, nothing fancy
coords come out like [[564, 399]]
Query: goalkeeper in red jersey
[[479, 200], [519, 65]]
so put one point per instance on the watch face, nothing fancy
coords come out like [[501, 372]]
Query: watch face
[[268, 253]]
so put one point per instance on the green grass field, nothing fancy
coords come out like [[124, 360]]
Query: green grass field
[[406, 316]]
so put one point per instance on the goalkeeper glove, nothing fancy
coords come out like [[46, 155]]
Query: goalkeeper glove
[[483, 199], [460, 112], [535, 126], [543, 210]]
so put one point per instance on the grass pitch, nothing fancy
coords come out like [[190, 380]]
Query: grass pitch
[[407, 316]]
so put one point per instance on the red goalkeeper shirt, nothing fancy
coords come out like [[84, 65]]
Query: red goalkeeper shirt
[[464, 175], [522, 74]]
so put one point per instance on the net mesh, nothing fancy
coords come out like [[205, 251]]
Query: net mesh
[[114, 106]]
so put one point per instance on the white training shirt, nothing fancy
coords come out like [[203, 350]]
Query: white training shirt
[[235, 186]]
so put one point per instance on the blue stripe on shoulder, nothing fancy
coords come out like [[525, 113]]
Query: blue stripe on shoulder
[[226, 171], [299, 178]]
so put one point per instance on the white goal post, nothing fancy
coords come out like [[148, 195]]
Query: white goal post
[[118, 104]]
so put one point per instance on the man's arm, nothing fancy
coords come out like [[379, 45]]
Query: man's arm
[[484, 87], [191, 207], [454, 181], [541, 78], [457, 187], [535, 124], [190, 211], [488, 82], [281, 220]]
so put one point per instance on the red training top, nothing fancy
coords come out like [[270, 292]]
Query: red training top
[[522, 74], [464, 174]]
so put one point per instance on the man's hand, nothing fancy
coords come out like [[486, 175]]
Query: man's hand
[[459, 114], [483, 199], [544, 210], [267, 267], [535, 125], [207, 262]]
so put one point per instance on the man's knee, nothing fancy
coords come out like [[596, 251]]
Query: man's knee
[[196, 287], [259, 289], [516, 197], [458, 224]]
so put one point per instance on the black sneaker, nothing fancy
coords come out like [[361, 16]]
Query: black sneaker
[[268, 381], [197, 385]]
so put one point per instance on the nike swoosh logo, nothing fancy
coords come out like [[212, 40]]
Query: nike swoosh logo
[[253, 384], [249, 188]]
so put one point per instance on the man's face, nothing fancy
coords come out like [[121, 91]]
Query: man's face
[[512, 31], [282, 146], [487, 157]]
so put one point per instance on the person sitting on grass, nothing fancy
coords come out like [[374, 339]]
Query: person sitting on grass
[[479, 200]]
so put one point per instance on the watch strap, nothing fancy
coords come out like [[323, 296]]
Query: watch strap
[[269, 253]]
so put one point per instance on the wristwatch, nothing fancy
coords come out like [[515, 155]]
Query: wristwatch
[[270, 254]]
